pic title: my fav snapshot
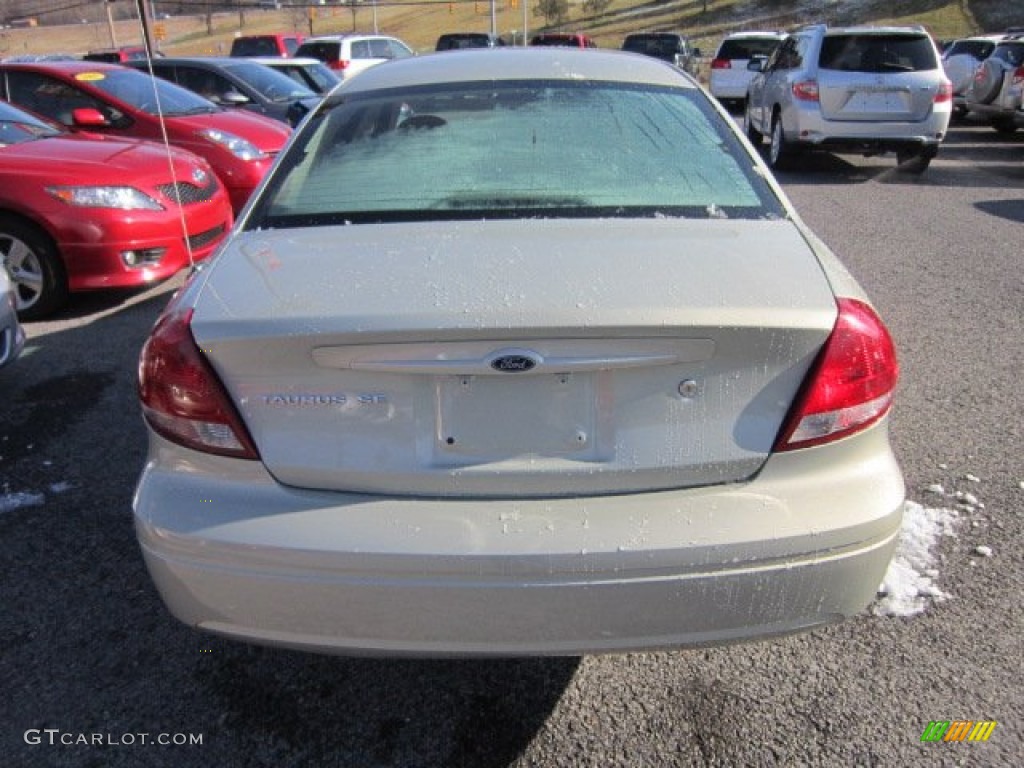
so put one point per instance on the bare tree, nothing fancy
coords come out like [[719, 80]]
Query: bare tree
[[553, 11]]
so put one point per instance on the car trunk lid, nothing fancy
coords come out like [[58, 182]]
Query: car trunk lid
[[515, 358]]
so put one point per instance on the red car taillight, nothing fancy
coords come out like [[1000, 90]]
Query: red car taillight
[[945, 92], [851, 384], [721, 64], [182, 398], [338, 64], [806, 90], [1018, 77]]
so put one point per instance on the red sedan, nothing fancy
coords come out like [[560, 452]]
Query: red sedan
[[118, 101], [80, 212]]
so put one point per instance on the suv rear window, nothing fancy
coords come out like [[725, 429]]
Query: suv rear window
[[659, 46], [979, 49], [747, 48], [877, 53], [324, 50]]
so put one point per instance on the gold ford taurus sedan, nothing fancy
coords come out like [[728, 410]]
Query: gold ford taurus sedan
[[518, 352]]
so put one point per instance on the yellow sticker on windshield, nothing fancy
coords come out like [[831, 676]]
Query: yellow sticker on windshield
[[90, 76]]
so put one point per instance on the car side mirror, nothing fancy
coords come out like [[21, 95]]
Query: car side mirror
[[233, 99], [88, 117]]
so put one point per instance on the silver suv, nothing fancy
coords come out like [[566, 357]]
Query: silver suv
[[995, 91], [867, 90]]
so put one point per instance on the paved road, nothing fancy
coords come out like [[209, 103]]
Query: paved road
[[87, 648]]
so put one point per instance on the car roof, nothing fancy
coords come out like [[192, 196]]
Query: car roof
[[499, 64], [68, 68], [284, 61], [866, 29], [771, 34], [635, 35], [340, 38]]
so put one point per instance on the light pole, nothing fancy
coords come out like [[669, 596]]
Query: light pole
[[110, 23]]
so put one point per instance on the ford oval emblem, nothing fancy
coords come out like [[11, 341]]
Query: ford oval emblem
[[513, 363]]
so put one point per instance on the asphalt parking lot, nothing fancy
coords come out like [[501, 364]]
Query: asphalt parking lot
[[95, 672]]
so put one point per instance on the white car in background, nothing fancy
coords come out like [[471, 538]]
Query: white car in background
[[729, 76], [348, 55]]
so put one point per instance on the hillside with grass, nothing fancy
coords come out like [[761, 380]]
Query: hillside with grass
[[419, 24]]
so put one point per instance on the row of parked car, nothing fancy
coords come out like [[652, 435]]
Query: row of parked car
[[987, 73], [865, 90]]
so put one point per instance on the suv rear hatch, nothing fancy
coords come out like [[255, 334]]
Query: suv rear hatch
[[515, 358], [877, 77]]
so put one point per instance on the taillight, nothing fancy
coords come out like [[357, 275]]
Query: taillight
[[851, 384], [721, 64], [1018, 76], [182, 398], [945, 92], [806, 90], [339, 64]]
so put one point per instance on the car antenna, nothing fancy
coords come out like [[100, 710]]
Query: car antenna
[[147, 41]]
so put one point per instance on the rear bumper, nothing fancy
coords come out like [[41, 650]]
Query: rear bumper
[[806, 127], [233, 552]]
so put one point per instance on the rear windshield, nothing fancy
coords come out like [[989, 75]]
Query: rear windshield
[[325, 51], [747, 48], [878, 53], [486, 150], [255, 46], [979, 49], [573, 41], [659, 46], [453, 42]]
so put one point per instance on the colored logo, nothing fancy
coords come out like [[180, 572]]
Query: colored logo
[[958, 730]]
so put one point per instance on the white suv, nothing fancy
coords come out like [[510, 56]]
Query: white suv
[[730, 76], [867, 90], [349, 55]]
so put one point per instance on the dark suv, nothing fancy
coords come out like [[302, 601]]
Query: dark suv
[[667, 46], [454, 41]]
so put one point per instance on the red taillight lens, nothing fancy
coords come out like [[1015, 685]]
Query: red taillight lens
[[721, 64], [850, 385], [1018, 76], [339, 64], [945, 92], [806, 90], [182, 398]]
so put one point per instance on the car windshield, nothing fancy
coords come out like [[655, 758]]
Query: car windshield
[[877, 53], [515, 149], [17, 126], [978, 49], [141, 91], [747, 48], [274, 85]]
